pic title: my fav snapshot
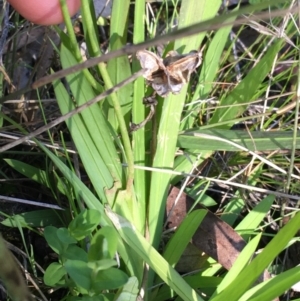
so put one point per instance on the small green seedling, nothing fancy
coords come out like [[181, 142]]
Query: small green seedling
[[86, 263]]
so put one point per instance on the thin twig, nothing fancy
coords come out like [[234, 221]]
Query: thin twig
[[217, 22], [180, 33], [134, 127], [71, 113], [223, 182]]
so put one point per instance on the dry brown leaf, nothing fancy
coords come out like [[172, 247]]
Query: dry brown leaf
[[214, 237]]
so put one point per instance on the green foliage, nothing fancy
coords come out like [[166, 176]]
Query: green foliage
[[84, 224], [86, 272], [126, 204], [246, 89], [37, 218], [101, 247], [181, 238], [237, 287]]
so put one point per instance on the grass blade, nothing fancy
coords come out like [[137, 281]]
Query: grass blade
[[183, 236], [246, 90], [274, 287], [247, 277], [258, 141], [142, 247]]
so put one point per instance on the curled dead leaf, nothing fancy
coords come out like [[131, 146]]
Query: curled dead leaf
[[171, 73]]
